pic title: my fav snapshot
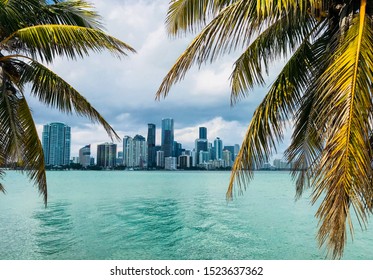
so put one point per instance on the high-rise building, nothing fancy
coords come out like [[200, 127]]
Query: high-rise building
[[184, 161], [218, 145], [56, 142], [160, 159], [200, 145], [227, 158], [134, 151], [85, 156], [128, 155], [202, 133], [167, 140], [170, 163], [140, 151], [152, 160], [106, 155]]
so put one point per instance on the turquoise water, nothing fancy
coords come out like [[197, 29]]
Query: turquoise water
[[161, 215]]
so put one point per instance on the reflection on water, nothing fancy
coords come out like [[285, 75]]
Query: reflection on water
[[136, 215], [131, 225], [54, 234]]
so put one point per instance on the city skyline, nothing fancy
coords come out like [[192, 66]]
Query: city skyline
[[125, 94], [157, 136]]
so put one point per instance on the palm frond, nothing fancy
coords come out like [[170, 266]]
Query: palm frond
[[307, 139], [33, 155], [49, 41], [344, 174], [190, 15], [55, 92], [278, 40], [233, 27], [79, 13], [270, 118]]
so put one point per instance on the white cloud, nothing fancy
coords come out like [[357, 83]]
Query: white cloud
[[231, 132], [123, 91]]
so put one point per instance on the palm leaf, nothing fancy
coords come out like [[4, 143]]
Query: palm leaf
[[55, 92], [190, 15], [49, 41], [307, 140], [33, 155], [78, 13], [344, 174], [278, 40], [234, 26], [270, 118]]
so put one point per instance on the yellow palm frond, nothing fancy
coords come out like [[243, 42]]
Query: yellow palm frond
[[344, 173]]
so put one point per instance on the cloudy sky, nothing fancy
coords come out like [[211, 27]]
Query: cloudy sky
[[123, 91]]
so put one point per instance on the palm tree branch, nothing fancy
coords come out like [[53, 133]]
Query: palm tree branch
[[55, 92], [48, 41], [189, 15], [266, 127], [343, 176], [33, 155], [279, 39]]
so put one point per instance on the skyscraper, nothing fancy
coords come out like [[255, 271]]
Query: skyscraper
[[85, 156], [167, 140], [106, 155], [218, 145], [56, 141], [202, 133], [134, 151], [152, 161]]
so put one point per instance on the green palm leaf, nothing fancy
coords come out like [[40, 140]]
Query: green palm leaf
[[49, 41], [36, 29], [55, 92]]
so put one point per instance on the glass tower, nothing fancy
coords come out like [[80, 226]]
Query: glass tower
[[167, 141], [202, 133], [151, 146], [56, 142]]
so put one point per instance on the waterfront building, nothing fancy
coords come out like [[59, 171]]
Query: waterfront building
[[178, 149], [140, 151], [128, 153], [134, 151], [151, 160], [218, 146], [167, 139], [281, 164], [232, 150], [106, 155], [204, 157], [184, 161], [201, 145], [56, 142], [85, 156], [160, 159], [227, 158], [170, 163]]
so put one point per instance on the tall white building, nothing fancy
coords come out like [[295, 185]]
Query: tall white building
[[134, 151], [160, 159], [170, 163]]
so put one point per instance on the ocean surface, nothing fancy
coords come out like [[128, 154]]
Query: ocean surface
[[97, 215]]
